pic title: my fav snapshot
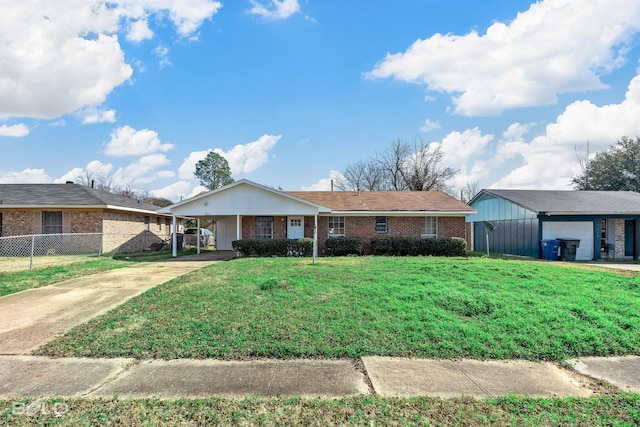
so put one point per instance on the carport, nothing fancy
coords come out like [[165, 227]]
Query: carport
[[229, 205]]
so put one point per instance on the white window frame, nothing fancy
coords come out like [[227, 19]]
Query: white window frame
[[425, 227], [267, 220], [334, 226]]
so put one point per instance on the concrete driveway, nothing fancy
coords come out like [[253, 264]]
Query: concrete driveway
[[33, 317]]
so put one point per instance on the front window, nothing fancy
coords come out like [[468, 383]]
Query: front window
[[336, 226], [158, 223], [167, 225], [147, 219], [52, 222], [264, 227], [429, 226], [381, 224]]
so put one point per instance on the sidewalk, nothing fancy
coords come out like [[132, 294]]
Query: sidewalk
[[31, 318], [37, 377]]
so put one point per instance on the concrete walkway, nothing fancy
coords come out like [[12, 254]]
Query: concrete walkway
[[32, 318]]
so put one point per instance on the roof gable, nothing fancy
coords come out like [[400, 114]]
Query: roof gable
[[244, 198]]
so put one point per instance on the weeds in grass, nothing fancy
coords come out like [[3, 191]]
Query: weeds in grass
[[621, 409], [476, 308]]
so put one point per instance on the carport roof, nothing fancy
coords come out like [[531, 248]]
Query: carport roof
[[554, 202]]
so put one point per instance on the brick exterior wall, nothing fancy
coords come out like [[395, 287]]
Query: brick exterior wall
[[360, 226], [123, 231], [126, 231], [17, 222]]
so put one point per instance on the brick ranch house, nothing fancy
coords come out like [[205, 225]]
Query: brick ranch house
[[27, 209], [246, 210]]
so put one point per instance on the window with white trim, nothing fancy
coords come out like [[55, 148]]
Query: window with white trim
[[429, 226], [264, 227], [381, 224], [336, 226], [52, 222]]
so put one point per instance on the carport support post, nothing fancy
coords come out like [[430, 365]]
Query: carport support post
[[315, 238], [198, 235], [174, 238], [238, 231]]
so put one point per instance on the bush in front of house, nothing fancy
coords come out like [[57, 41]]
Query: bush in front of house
[[414, 246], [341, 246], [274, 247]]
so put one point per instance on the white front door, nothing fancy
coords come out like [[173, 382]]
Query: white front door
[[295, 227]]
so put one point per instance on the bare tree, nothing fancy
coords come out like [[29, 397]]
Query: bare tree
[[469, 191], [403, 166], [361, 175]]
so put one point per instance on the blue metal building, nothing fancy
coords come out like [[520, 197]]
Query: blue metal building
[[607, 223]]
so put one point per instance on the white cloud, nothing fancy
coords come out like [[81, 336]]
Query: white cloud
[[274, 9], [143, 171], [162, 52], [549, 160], [245, 158], [188, 166], [324, 184], [126, 141], [27, 176], [93, 114], [175, 192], [37, 34], [15, 131], [139, 31], [555, 46], [459, 149], [429, 125]]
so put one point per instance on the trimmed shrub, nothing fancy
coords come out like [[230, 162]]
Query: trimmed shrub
[[413, 246], [274, 247], [341, 246]]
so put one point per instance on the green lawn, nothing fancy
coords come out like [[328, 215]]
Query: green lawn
[[356, 306], [621, 409]]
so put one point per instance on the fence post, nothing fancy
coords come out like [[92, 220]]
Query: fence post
[[33, 244]]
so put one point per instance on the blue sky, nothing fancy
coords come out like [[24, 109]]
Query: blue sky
[[293, 91]]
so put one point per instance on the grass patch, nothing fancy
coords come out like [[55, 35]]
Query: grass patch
[[17, 281], [424, 307], [615, 410], [12, 282]]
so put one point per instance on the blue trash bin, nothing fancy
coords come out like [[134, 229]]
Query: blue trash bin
[[550, 249]]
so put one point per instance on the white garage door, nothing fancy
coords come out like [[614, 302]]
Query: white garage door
[[572, 229]]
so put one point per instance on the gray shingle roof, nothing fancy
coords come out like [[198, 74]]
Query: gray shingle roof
[[573, 202], [67, 196]]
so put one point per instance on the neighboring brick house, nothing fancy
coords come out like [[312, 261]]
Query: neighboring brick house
[[245, 210], [125, 223]]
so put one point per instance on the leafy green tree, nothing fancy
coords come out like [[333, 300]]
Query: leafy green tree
[[213, 171], [614, 169]]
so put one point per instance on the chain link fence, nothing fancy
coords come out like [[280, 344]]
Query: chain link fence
[[43, 250]]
